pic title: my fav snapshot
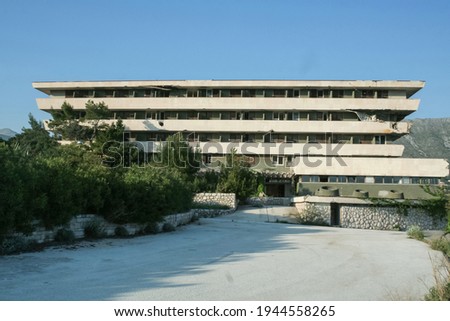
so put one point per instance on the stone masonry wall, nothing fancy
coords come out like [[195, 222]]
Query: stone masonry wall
[[386, 218], [255, 201], [224, 199], [79, 222]]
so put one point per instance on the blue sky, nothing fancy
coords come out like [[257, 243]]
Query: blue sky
[[215, 39]]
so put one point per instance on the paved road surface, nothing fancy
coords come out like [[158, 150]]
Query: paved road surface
[[236, 257]]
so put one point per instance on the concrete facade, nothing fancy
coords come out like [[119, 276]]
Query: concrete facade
[[306, 128]]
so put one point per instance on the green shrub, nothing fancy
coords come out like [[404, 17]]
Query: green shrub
[[151, 228], [64, 236], [94, 230], [167, 227], [310, 215], [415, 232], [17, 244], [121, 231], [441, 244]]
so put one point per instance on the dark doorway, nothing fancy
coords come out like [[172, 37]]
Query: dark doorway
[[335, 219], [275, 190]]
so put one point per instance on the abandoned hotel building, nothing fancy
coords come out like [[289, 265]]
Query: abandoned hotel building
[[330, 138]]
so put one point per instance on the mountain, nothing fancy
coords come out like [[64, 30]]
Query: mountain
[[429, 138], [7, 133]]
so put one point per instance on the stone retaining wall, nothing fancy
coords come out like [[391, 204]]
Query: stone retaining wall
[[386, 218], [366, 216], [214, 199], [255, 201], [79, 222]]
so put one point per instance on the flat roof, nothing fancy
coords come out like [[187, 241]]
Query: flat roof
[[412, 86]]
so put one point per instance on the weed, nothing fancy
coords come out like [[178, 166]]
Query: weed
[[415, 232], [310, 215], [441, 290], [441, 244]]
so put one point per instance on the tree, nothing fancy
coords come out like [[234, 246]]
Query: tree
[[176, 153], [34, 140], [236, 177], [67, 123], [95, 113]]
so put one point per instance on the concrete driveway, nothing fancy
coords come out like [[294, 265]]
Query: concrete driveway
[[235, 257]]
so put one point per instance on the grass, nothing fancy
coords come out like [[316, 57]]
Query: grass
[[441, 244], [415, 232], [441, 290]]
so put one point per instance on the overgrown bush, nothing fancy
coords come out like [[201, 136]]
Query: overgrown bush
[[17, 244], [151, 228], [441, 244], [237, 177], [64, 236], [121, 231], [415, 232], [94, 229], [310, 215], [167, 227]]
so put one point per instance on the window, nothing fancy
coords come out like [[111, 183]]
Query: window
[[279, 93], [367, 94], [388, 180], [207, 158], [235, 137], [380, 139], [337, 93], [378, 180], [369, 179], [405, 180], [289, 160], [304, 93], [306, 179], [415, 180], [278, 116], [277, 160], [383, 94], [235, 93]]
